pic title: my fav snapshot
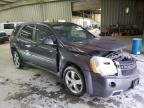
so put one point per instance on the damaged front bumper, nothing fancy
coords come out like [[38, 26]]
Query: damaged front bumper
[[112, 85]]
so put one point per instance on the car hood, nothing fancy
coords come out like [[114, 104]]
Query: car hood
[[90, 45]]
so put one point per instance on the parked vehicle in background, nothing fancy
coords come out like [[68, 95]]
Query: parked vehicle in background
[[84, 62], [94, 30], [3, 37], [8, 27]]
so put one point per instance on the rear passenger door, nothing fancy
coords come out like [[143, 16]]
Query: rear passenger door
[[25, 42]]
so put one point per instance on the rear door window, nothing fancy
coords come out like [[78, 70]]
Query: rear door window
[[27, 32]]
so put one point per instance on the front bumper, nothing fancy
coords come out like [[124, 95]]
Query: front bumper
[[112, 85]]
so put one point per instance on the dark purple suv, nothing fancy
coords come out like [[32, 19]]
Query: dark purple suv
[[86, 63]]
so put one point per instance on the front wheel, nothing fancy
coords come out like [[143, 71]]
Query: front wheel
[[74, 81]]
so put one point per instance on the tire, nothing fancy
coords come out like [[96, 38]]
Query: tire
[[17, 60], [74, 81]]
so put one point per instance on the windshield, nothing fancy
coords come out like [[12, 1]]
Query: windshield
[[72, 33]]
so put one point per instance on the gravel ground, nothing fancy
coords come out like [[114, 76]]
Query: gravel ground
[[34, 88]]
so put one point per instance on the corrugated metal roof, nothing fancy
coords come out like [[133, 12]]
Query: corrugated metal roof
[[38, 12]]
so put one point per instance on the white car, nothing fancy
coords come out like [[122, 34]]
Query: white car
[[8, 27]]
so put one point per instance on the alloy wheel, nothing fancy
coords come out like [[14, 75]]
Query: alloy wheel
[[74, 82], [16, 59]]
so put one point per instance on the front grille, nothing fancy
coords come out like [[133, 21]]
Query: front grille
[[128, 69], [128, 72], [127, 66], [126, 63]]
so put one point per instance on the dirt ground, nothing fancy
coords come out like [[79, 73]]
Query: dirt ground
[[34, 88]]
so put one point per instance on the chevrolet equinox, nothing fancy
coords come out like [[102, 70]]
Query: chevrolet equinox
[[85, 63]]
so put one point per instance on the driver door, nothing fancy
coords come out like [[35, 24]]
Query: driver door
[[44, 55]]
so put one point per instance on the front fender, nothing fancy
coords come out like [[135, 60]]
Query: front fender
[[79, 60]]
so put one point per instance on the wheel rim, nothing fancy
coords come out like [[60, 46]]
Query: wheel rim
[[74, 82], [16, 59]]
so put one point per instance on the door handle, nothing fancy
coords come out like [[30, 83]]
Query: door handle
[[51, 51], [29, 46]]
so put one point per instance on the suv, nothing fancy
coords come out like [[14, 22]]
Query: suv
[[84, 62]]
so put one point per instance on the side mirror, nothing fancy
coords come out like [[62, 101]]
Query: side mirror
[[49, 41]]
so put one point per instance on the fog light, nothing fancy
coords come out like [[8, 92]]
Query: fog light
[[113, 84]]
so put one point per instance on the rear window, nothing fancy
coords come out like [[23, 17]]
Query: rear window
[[8, 26]]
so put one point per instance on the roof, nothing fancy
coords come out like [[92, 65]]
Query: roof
[[49, 23], [58, 23]]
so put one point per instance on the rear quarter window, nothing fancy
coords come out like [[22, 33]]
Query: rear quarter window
[[27, 32]]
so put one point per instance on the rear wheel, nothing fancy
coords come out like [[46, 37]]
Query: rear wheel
[[74, 81], [17, 60]]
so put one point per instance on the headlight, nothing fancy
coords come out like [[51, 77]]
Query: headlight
[[93, 64], [103, 66]]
